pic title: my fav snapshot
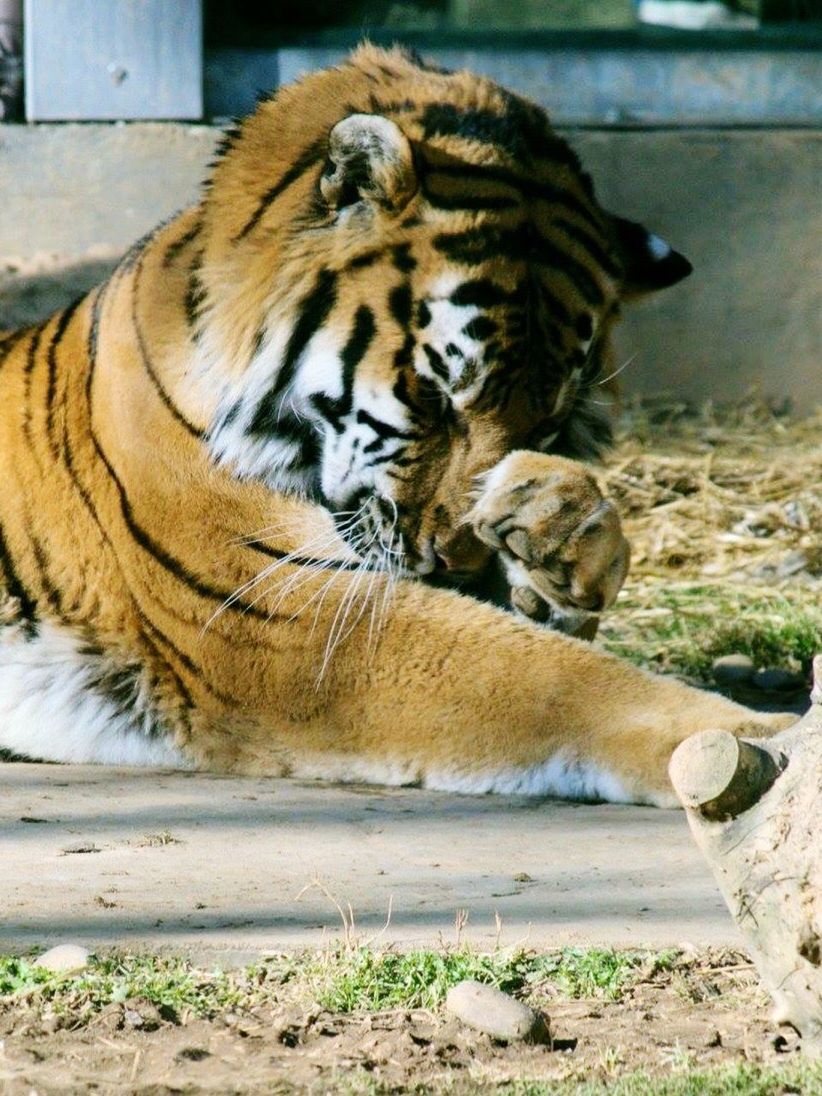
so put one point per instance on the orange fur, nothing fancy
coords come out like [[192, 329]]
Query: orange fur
[[119, 527]]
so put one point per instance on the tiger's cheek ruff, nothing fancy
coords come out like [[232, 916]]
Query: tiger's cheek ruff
[[261, 429], [452, 344]]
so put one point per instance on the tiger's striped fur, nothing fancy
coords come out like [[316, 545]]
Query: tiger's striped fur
[[237, 480]]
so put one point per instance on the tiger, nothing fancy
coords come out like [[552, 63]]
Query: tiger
[[304, 489]]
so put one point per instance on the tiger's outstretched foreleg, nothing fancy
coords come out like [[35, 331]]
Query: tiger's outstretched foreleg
[[462, 696]]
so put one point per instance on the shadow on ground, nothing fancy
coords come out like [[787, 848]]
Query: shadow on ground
[[33, 289], [150, 860]]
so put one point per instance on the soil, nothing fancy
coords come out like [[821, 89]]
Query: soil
[[708, 1012]]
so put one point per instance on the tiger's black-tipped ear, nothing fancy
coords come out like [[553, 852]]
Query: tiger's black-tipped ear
[[648, 261], [370, 158]]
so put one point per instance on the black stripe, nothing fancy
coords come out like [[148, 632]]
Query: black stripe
[[195, 295], [190, 665], [355, 349], [161, 636], [550, 254], [438, 366], [303, 435], [427, 398], [147, 363], [480, 328], [303, 561], [307, 159], [368, 258], [166, 560], [226, 142], [591, 245], [486, 243], [481, 292], [8, 343], [383, 430], [404, 355], [314, 311], [174, 248], [534, 189], [31, 362], [402, 258], [485, 126], [556, 308], [138, 247], [400, 304], [521, 130], [469, 201], [50, 591], [392, 456], [14, 584], [51, 360]]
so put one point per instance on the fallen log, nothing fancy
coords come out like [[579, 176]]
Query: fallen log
[[755, 811]]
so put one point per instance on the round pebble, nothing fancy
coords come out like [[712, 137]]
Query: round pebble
[[735, 669], [488, 1009], [64, 957], [772, 681]]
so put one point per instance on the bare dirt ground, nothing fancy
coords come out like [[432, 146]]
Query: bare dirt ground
[[703, 1012]]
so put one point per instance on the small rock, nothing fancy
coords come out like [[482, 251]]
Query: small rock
[[773, 681], [523, 877], [64, 957], [735, 669], [141, 1014], [488, 1009]]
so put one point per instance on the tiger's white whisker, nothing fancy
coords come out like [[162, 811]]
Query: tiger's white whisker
[[616, 372]]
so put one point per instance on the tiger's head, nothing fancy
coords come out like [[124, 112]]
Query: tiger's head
[[403, 276]]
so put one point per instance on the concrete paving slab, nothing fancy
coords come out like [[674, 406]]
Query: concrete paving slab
[[81, 861]]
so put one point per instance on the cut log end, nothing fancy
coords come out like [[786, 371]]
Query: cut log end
[[720, 775]]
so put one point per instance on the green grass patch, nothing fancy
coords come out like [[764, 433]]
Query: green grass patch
[[344, 981], [683, 628], [369, 981], [600, 972], [804, 1078]]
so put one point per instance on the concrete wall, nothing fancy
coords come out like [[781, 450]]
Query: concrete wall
[[745, 206]]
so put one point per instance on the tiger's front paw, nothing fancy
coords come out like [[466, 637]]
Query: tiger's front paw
[[560, 540]]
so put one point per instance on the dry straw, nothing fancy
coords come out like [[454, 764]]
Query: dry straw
[[723, 507]]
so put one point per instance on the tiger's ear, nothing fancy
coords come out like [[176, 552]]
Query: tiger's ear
[[648, 261], [370, 158]]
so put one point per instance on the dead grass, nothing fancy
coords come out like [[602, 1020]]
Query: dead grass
[[723, 507]]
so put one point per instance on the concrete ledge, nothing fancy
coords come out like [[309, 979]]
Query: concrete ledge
[[70, 188], [743, 205]]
